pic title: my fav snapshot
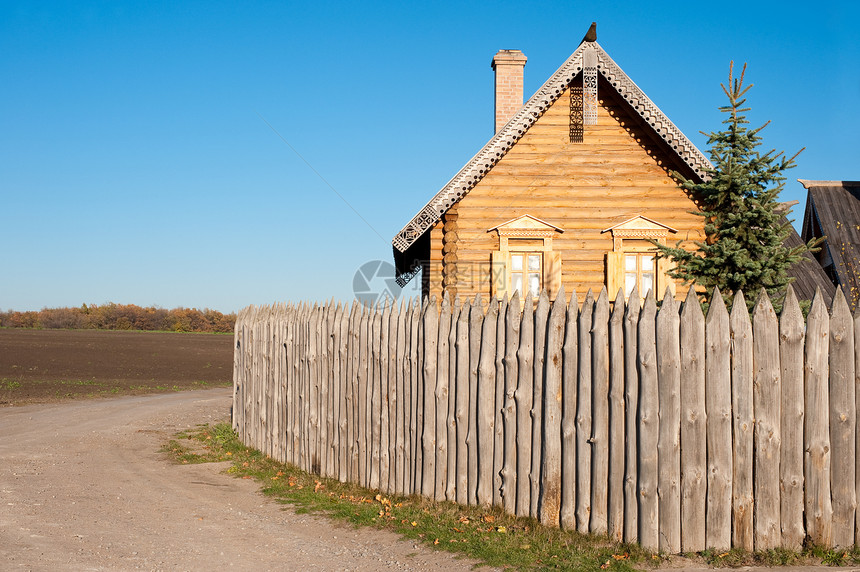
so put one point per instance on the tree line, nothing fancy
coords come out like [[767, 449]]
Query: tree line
[[121, 317]]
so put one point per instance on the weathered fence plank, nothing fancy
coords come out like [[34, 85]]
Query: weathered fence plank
[[631, 410], [791, 336], [693, 425], [486, 399], [523, 396], [451, 424], [600, 414], [384, 422], [462, 408], [570, 371], [649, 425], [819, 510], [669, 441], [617, 448], [742, 429], [499, 392], [427, 413], [843, 419], [509, 415], [857, 433], [441, 463], [583, 417], [476, 321], [541, 316], [718, 408], [412, 388], [550, 498], [767, 393]]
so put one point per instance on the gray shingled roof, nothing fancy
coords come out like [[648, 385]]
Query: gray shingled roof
[[833, 211]]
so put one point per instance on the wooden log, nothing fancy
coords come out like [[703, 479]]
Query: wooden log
[[819, 510], [767, 394], [570, 371], [354, 392], [718, 408], [344, 412], [333, 409], [498, 406], [441, 397], [669, 442], [476, 320], [541, 316], [523, 397], [631, 425], [316, 374], [600, 414], [462, 406], [363, 387], [791, 336], [693, 425], [843, 420], [649, 425], [416, 372], [616, 449], [385, 397], [857, 433], [400, 417], [428, 428], [509, 417], [486, 399], [326, 413], [742, 428], [418, 401], [393, 398], [451, 485], [375, 395], [411, 389], [583, 417], [550, 498]]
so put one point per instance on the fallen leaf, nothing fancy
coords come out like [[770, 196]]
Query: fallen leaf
[[501, 529], [436, 541], [489, 518], [414, 523]]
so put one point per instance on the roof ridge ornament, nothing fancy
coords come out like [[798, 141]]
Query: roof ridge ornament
[[591, 34]]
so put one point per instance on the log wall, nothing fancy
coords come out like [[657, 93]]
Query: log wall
[[667, 427]]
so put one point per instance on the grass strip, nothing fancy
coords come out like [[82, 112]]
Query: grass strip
[[484, 534]]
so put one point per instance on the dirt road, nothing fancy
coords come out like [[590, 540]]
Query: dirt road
[[83, 487]]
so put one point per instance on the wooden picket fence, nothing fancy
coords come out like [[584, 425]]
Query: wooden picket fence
[[666, 428]]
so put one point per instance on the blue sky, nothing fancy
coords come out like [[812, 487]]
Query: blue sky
[[142, 145]]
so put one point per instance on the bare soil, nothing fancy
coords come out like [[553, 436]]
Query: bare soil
[[83, 486], [38, 366]]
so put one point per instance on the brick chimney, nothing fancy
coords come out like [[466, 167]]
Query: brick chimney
[[508, 65]]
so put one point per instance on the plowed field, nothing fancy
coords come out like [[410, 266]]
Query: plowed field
[[38, 366]]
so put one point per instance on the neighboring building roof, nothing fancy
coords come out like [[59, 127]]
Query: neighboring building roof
[[534, 108], [808, 274], [833, 211]]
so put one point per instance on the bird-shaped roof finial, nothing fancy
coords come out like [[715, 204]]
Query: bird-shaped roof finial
[[591, 35]]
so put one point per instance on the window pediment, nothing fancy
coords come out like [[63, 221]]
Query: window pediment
[[526, 226]]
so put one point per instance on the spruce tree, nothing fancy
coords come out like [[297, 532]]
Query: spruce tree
[[745, 226]]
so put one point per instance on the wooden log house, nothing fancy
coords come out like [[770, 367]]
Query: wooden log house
[[571, 190]]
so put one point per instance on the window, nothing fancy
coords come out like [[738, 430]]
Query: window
[[527, 268], [525, 262], [640, 270], [633, 261]]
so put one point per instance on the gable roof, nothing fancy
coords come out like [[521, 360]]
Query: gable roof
[[475, 170], [833, 211]]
